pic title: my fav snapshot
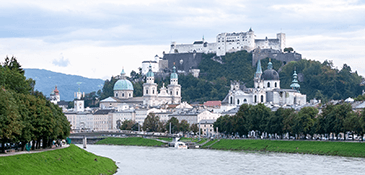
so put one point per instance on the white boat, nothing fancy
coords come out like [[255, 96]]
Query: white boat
[[180, 145]]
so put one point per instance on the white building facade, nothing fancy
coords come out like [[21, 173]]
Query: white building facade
[[231, 42], [266, 90]]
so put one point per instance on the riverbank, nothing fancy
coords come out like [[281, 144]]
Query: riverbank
[[131, 141], [71, 160], [346, 149]]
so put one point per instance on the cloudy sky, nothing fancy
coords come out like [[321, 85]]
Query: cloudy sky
[[96, 38]]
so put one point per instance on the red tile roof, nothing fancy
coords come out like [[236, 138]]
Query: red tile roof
[[213, 103]]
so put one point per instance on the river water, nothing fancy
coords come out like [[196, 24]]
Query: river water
[[156, 161]]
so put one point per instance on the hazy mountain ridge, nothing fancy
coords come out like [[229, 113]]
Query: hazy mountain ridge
[[67, 84]]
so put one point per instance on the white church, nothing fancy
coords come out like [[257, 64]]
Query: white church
[[266, 90], [152, 96]]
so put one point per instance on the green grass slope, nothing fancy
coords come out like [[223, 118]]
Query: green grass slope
[[71, 160], [347, 149], [133, 141]]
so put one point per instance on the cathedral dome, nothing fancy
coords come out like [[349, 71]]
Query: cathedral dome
[[270, 74], [123, 84], [174, 74]]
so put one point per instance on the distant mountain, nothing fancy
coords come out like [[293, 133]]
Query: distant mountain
[[67, 84]]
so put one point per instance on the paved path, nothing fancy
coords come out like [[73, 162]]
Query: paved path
[[29, 152]]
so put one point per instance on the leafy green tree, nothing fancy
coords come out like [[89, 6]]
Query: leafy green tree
[[10, 119], [127, 125], [194, 128], [151, 122], [174, 125], [184, 126]]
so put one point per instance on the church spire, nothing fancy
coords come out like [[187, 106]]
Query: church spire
[[295, 84], [258, 70], [269, 65], [122, 73]]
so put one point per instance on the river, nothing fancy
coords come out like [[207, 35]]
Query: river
[[156, 161]]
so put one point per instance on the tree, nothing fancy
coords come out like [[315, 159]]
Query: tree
[[194, 128], [127, 125], [10, 119], [151, 122], [184, 126], [174, 125], [288, 49]]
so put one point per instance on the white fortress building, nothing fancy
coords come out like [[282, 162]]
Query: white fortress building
[[231, 42], [153, 63]]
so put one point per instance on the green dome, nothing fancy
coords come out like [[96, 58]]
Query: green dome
[[174, 74], [122, 85], [150, 73]]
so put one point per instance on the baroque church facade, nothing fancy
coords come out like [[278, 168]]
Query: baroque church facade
[[152, 96], [266, 90]]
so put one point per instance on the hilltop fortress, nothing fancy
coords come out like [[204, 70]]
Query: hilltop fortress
[[231, 42], [188, 56]]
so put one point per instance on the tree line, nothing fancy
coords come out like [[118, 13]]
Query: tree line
[[152, 123], [26, 115], [334, 119]]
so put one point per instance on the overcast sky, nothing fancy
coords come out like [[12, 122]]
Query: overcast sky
[[96, 38]]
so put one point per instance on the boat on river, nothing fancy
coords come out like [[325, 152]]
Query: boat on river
[[180, 145]]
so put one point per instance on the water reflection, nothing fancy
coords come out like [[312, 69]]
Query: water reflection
[[151, 161]]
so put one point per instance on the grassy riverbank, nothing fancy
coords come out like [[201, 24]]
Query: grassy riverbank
[[347, 149], [133, 141], [71, 160]]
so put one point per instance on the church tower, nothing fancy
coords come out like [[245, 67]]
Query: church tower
[[257, 79], [174, 89], [150, 89], [295, 84], [79, 101]]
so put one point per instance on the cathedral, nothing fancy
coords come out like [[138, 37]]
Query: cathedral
[[266, 90], [123, 93]]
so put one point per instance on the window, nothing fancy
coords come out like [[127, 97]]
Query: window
[[262, 98], [245, 100], [146, 91], [276, 84], [230, 100], [122, 94], [153, 91], [177, 92], [268, 84], [116, 94], [130, 94], [238, 101]]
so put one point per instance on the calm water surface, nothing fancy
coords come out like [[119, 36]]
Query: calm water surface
[[156, 161]]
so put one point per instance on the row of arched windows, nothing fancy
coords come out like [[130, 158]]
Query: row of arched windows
[[268, 84]]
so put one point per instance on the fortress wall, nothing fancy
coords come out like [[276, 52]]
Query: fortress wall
[[274, 54]]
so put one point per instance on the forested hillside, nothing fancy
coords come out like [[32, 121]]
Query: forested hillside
[[67, 84], [317, 80]]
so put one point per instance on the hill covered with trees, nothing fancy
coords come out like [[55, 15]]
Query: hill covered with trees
[[317, 80]]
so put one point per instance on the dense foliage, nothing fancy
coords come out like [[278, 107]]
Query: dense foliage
[[317, 80], [26, 115], [333, 120]]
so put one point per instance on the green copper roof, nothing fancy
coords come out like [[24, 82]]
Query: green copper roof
[[174, 74], [295, 84], [258, 69], [269, 65], [123, 84], [150, 73]]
